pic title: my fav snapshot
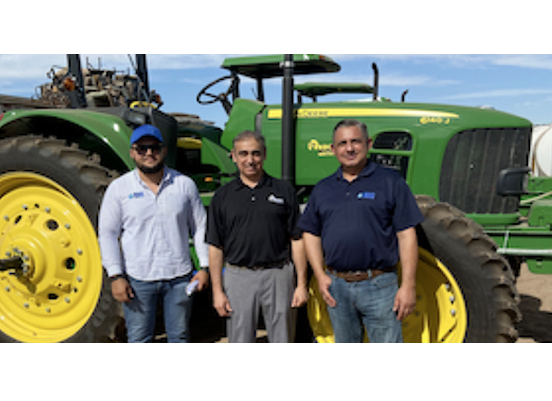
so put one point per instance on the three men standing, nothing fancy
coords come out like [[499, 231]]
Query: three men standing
[[358, 224]]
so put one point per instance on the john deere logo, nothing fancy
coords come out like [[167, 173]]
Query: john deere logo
[[323, 150]]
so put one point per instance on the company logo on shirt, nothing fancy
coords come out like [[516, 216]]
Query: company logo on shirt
[[366, 195], [274, 199], [136, 195]]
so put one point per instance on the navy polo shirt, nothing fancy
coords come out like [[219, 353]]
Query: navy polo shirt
[[254, 226], [358, 221]]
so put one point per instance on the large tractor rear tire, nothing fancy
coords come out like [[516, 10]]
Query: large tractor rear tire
[[50, 195], [465, 290]]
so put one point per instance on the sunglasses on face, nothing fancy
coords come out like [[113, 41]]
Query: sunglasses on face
[[143, 149]]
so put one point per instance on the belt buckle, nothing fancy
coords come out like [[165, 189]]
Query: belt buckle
[[353, 277], [358, 274]]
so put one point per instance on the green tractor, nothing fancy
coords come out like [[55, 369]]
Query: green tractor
[[466, 165]]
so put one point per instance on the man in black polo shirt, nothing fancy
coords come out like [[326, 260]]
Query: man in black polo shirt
[[252, 226], [358, 223]]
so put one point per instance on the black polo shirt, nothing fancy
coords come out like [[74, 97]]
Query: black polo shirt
[[254, 226], [358, 221]]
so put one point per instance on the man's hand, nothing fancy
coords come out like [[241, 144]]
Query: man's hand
[[300, 297], [221, 304], [315, 254], [121, 290], [324, 282], [203, 277], [405, 302], [299, 256]]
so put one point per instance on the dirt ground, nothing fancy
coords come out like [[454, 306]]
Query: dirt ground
[[536, 306]]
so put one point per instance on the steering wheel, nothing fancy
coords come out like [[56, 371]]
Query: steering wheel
[[205, 97]]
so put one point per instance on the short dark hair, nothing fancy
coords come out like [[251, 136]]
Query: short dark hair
[[250, 134], [350, 122]]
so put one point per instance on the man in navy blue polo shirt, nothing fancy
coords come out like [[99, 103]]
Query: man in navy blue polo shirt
[[358, 223]]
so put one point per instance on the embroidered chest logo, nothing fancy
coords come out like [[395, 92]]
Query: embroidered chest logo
[[273, 199], [136, 195], [366, 195]]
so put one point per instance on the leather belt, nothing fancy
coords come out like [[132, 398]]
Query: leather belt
[[352, 277], [260, 267]]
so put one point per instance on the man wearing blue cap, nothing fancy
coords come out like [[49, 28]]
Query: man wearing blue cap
[[144, 224]]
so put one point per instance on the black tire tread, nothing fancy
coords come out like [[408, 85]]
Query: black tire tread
[[107, 319], [496, 270]]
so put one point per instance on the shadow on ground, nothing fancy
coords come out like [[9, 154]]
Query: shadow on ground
[[207, 327], [536, 324]]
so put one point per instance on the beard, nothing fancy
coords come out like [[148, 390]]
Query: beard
[[151, 170]]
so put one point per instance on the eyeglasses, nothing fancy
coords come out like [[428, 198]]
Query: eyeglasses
[[143, 149]]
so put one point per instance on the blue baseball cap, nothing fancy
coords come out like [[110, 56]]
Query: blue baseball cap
[[145, 130]]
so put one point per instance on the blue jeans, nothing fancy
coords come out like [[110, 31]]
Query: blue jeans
[[140, 313], [366, 303]]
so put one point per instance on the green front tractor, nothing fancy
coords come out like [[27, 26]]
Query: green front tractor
[[466, 165], [56, 163]]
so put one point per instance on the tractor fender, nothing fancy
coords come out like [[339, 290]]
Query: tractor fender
[[214, 154], [101, 133]]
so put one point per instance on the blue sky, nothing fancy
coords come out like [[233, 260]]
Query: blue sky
[[520, 83]]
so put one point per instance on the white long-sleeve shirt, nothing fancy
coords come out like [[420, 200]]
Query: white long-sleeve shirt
[[145, 235]]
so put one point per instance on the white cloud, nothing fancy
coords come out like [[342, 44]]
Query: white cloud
[[414, 80], [499, 93], [540, 61], [392, 79], [155, 61], [23, 66], [185, 61]]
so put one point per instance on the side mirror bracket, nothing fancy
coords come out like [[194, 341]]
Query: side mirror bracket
[[512, 181]]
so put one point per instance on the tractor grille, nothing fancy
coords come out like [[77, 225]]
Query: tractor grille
[[471, 165]]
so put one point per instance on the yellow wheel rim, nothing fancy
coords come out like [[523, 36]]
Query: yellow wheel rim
[[60, 285], [440, 315]]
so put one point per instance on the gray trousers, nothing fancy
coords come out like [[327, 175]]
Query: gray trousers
[[251, 291]]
